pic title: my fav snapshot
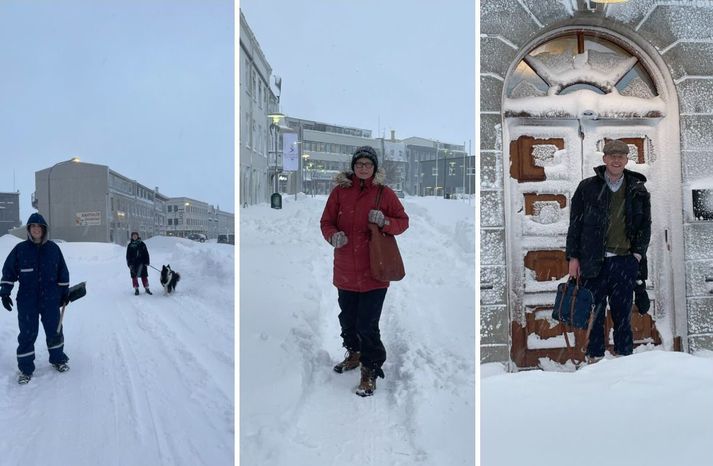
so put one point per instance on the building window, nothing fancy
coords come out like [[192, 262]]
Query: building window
[[555, 68]]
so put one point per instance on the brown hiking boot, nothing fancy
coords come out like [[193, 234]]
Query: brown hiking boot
[[368, 382], [351, 361]]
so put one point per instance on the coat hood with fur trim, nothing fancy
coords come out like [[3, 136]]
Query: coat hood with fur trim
[[344, 179]]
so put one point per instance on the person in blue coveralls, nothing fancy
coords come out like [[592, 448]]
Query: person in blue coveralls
[[39, 266]]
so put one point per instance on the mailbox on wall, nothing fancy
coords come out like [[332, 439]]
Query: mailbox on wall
[[703, 204]]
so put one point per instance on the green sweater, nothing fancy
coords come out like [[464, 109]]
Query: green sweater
[[617, 242]]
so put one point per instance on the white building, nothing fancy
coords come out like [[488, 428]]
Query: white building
[[257, 101], [557, 80]]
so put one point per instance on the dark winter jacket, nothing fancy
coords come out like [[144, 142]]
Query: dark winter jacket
[[41, 270], [137, 257], [589, 221], [347, 210]]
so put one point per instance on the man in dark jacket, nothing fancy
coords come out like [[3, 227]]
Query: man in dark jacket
[[609, 233], [138, 261], [38, 264]]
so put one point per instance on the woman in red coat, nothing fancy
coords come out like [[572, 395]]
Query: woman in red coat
[[350, 208]]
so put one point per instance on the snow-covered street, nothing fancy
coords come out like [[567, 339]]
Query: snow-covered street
[[151, 380], [294, 410]]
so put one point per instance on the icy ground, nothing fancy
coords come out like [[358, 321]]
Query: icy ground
[[294, 410], [151, 380], [653, 408]]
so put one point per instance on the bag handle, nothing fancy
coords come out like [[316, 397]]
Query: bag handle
[[570, 349], [378, 196]]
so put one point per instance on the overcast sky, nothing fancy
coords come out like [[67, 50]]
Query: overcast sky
[[407, 65], [143, 86]]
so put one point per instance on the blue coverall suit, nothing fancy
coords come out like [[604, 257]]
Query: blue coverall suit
[[44, 283]]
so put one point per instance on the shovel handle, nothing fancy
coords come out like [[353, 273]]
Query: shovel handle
[[61, 316]]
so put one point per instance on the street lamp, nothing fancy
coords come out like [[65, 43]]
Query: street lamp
[[304, 177], [275, 199], [435, 190]]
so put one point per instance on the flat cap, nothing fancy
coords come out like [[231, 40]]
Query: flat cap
[[616, 146]]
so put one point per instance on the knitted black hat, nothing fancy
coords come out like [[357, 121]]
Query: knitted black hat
[[366, 152]]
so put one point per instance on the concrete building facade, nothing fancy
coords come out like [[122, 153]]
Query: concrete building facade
[[557, 80], [186, 216], [257, 101], [9, 212], [324, 150], [90, 202]]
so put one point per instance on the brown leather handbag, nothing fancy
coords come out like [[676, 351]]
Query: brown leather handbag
[[384, 255]]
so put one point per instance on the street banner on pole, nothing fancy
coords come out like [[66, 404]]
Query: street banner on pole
[[290, 152]]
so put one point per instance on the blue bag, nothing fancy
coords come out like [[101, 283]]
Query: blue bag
[[574, 305]]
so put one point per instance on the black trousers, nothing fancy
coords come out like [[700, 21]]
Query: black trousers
[[359, 320]]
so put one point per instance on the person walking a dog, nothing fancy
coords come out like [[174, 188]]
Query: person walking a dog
[[138, 261], [39, 267], [607, 240], [351, 206]]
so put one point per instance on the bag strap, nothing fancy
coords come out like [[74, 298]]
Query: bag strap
[[570, 349], [378, 196]]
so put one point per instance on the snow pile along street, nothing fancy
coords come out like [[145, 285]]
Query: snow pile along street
[[652, 408], [294, 410], [151, 379]]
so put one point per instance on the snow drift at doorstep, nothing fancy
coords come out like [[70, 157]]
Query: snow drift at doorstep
[[151, 379], [294, 410], [652, 408]]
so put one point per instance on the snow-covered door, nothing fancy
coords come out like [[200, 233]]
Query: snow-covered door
[[569, 92], [548, 159]]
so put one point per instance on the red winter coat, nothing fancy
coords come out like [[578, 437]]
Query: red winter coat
[[347, 210]]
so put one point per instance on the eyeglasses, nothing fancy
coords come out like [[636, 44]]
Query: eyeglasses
[[363, 164]]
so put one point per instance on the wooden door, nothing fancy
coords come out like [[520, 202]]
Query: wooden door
[[548, 159]]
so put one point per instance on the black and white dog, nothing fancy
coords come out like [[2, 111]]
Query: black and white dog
[[169, 279]]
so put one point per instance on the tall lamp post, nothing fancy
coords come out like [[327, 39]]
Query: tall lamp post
[[275, 199], [435, 189], [304, 171]]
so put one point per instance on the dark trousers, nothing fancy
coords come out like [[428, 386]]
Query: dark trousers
[[139, 270], [29, 328], [616, 282], [359, 320]]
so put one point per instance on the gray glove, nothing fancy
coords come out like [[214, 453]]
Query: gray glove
[[338, 239], [377, 216]]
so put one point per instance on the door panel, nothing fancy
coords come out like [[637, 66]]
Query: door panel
[[548, 159]]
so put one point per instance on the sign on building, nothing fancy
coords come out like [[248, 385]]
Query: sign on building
[[290, 152], [87, 218]]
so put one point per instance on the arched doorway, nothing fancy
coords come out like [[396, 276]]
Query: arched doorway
[[569, 92]]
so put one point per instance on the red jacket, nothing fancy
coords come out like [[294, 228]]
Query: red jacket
[[347, 210]]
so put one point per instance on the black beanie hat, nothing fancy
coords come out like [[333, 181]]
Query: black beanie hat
[[365, 152]]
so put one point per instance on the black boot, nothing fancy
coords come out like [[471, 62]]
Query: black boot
[[136, 291], [351, 361], [147, 290]]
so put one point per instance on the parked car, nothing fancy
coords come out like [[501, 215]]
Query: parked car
[[198, 237]]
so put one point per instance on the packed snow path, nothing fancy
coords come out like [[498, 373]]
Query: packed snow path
[[294, 409], [151, 379]]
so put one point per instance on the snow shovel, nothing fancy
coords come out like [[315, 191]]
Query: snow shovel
[[75, 292]]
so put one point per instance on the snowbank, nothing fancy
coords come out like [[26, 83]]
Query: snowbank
[[294, 410]]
